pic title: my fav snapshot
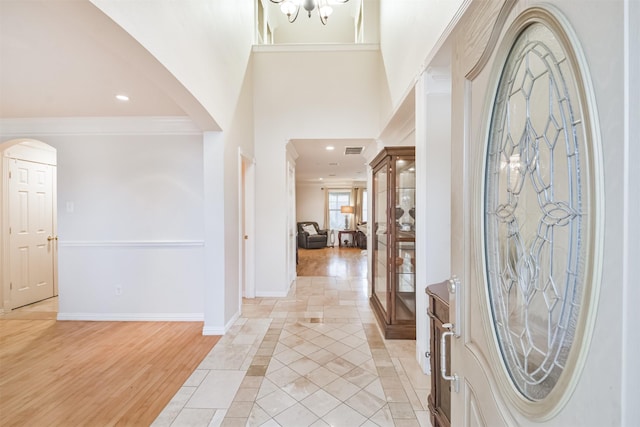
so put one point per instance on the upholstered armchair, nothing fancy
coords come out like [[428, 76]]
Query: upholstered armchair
[[310, 236]]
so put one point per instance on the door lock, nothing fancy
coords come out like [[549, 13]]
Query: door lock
[[455, 291]]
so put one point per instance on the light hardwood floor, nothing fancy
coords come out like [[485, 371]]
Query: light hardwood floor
[[62, 373], [336, 262], [112, 373]]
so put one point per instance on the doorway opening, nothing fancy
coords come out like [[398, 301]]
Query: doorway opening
[[246, 209], [28, 244]]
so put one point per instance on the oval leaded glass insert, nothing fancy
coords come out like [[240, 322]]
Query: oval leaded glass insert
[[534, 217]]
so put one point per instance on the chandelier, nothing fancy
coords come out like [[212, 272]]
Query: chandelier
[[291, 8]]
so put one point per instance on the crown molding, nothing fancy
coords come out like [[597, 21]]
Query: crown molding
[[328, 47], [151, 125]]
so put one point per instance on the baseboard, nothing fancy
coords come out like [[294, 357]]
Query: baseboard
[[133, 317], [216, 330], [213, 330]]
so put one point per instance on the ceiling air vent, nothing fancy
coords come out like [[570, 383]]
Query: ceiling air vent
[[352, 150]]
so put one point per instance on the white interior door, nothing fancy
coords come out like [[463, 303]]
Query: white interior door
[[31, 236], [292, 242], [247, 227], [528, 230]]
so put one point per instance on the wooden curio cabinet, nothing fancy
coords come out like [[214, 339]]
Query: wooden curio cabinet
[[393, 293]]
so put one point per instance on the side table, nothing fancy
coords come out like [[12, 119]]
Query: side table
[[352, 233]]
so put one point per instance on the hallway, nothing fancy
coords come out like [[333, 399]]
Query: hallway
[[314, 358], [334, 262]]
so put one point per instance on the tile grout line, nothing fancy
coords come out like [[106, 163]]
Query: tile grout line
[[240, 410], [397, 398]]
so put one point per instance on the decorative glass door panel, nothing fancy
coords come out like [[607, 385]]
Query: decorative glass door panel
[[526, 227], [536, 212]]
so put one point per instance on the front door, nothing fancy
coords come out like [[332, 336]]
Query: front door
[[31, 237], [529, 234]]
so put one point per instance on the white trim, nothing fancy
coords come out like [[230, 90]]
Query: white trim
[[215, 330], [130, 243], [133, 317], [631, 231], [169, 125], [271, 294], [273, 48]]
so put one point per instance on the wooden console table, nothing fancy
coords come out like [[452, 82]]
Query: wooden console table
[[349, 232], [439, 400]]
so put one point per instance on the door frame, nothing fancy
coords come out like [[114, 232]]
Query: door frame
[[247, 225], [30, 150], [291, 223]]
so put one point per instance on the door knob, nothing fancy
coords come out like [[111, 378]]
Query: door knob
[[50, 238]]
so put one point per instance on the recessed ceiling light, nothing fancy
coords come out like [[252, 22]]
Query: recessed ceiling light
[[122, 97], [412, 169], [330, 147], [320, 178]]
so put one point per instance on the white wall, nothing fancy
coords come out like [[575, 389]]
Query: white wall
[[130, 219], [409, 32], [433, 200], [310, 199], [214, 233], [238, 137], [302, 94], [204, 44], [310, 202]]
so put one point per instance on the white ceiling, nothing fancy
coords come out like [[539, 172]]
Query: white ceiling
[[61, 58], [317, 164], [67, 59]]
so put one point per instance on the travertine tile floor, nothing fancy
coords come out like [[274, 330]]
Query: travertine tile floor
[[314, 358]]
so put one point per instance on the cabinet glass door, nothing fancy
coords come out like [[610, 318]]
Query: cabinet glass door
[[380, 252], [405, 295], [404, 245]]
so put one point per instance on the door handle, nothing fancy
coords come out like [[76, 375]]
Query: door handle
[[443, 358], [50, 238]]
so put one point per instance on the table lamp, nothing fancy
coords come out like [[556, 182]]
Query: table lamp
[[346, 210]]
